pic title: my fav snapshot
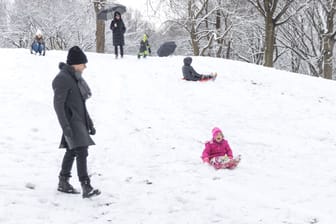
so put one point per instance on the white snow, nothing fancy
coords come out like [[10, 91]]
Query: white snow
[[151, 128]]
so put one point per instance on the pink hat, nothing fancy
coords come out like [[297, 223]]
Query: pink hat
[[215, 131]]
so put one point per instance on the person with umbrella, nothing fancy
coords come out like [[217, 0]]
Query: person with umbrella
[[118, 29]]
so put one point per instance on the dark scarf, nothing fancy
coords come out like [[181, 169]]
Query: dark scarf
[[83, 86]]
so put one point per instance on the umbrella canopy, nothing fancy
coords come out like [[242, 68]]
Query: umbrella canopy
[[108, 13], [166, 49]]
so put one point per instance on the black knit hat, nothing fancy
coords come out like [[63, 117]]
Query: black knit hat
[[76, 56]]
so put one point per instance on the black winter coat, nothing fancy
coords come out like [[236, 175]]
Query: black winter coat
[[189, 72], [118, 29], [71, 109]]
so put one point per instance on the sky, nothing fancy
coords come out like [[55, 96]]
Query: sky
[[139, 4], [151, 130], [146, 11]]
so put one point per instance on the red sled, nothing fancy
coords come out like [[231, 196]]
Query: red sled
[[223, 162], [213, 78]]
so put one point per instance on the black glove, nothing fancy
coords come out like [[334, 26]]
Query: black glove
[[67, 132], [149, 50], [92, 130]]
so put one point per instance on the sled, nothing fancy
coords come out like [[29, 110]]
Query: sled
[[205, 79], [223, 162]]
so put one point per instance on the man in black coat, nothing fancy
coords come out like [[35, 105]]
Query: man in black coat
[[118, 29], [70, 93]]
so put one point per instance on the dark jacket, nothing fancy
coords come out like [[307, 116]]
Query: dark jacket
[[71, 109], [144, 46], [188, 71], [39, 39], [118, 29]]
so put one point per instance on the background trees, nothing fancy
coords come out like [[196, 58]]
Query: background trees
[[61, 25], [100, 27], [297, 36], [273, 12], [3, 22]]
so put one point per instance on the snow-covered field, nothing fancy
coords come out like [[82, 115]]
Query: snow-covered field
[[151, 128]]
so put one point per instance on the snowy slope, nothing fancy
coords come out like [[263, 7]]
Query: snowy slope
[[151, 128]]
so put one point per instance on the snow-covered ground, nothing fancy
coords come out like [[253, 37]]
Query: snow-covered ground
[[151, 128]]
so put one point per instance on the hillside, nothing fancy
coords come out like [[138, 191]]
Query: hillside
[[151, 128]]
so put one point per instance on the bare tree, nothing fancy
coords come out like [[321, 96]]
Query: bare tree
[[137, 26], [218, 24], [273, 12], [310, 38], [100, 27], [193, 21], [328, 36], [301, 36], [207, 23], [3, 22], [60, 24]]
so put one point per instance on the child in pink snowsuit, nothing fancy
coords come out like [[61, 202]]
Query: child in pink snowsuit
[[218, 153]]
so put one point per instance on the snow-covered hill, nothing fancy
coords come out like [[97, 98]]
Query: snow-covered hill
[[151, 128]]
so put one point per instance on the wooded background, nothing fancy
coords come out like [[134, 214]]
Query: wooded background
[[291, 35]]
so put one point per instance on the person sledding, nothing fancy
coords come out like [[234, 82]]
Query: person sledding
[[190, 74], [38, 45], [144, 49], [217, 152]]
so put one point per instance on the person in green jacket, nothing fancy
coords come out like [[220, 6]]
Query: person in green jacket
[[144, 50]]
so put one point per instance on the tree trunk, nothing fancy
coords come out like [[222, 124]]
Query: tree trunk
[[194, 42], [100, 36], [100, 28], [328, 40], [193, 36], [269, 41], [328, 46]]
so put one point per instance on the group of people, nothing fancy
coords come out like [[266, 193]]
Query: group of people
[[70, 94], [118, 29]]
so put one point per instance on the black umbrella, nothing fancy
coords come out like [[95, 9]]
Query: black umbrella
[[108, 13], [166, 49]]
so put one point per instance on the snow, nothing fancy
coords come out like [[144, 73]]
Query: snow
[[151, 128]]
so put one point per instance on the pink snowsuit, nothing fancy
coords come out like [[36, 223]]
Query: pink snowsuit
[[215, 149]]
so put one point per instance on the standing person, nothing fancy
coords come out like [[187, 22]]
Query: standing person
[[190, 74], [70, 93], [118, 29], [144, 49]]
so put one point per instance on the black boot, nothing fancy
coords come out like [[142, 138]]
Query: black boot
[[88, 190], [65, 187]]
